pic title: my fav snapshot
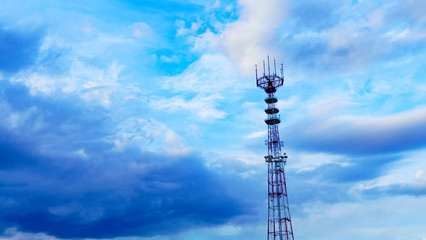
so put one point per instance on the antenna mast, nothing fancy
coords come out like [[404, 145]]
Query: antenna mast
[[279, 220]]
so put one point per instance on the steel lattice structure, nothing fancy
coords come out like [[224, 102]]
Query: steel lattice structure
[[279, 220]]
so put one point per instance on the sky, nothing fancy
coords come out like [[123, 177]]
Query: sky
[[128, 120]]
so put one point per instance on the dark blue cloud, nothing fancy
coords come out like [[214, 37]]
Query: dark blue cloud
[[62, 123], [112, 198], [332, 183], [354, 169], [46, 187], [361, 136], [18, 50]]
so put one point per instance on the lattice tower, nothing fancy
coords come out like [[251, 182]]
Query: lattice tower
[[279, 220]]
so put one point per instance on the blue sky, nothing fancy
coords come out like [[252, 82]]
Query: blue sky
[[141, 119]]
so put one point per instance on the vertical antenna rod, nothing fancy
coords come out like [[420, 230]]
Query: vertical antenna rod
[[269, 70], [264, 68], [275, 67]]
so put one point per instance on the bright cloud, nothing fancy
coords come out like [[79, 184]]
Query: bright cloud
[[254, 35]]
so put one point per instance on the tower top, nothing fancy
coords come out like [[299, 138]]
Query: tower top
[[270, 81]]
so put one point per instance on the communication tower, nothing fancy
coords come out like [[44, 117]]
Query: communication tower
[[279, 220]]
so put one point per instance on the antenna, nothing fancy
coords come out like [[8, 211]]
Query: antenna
[[269, 70], [275, 68], [269, 82]]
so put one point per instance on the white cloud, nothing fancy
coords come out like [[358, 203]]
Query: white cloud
[[406, 35], [204, 3], [81, 153], [201, 107], [148, 135], [92, 84], [253, 35], [259, 134], [211, 74], [395, 35], [207, 41], [38, 83], [390, 123], [195, 26], [21, 121], [373, 219], [228, 157], [142, 30], [419, 175], [14, 234], [301, 161], [182, 30], [288, 103], [228, 230], [175, 144], [172, 59], [193, 130], [18, 119], [209, 78], [137, 131]]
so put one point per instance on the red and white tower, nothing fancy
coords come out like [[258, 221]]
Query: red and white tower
[[279, 220]]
